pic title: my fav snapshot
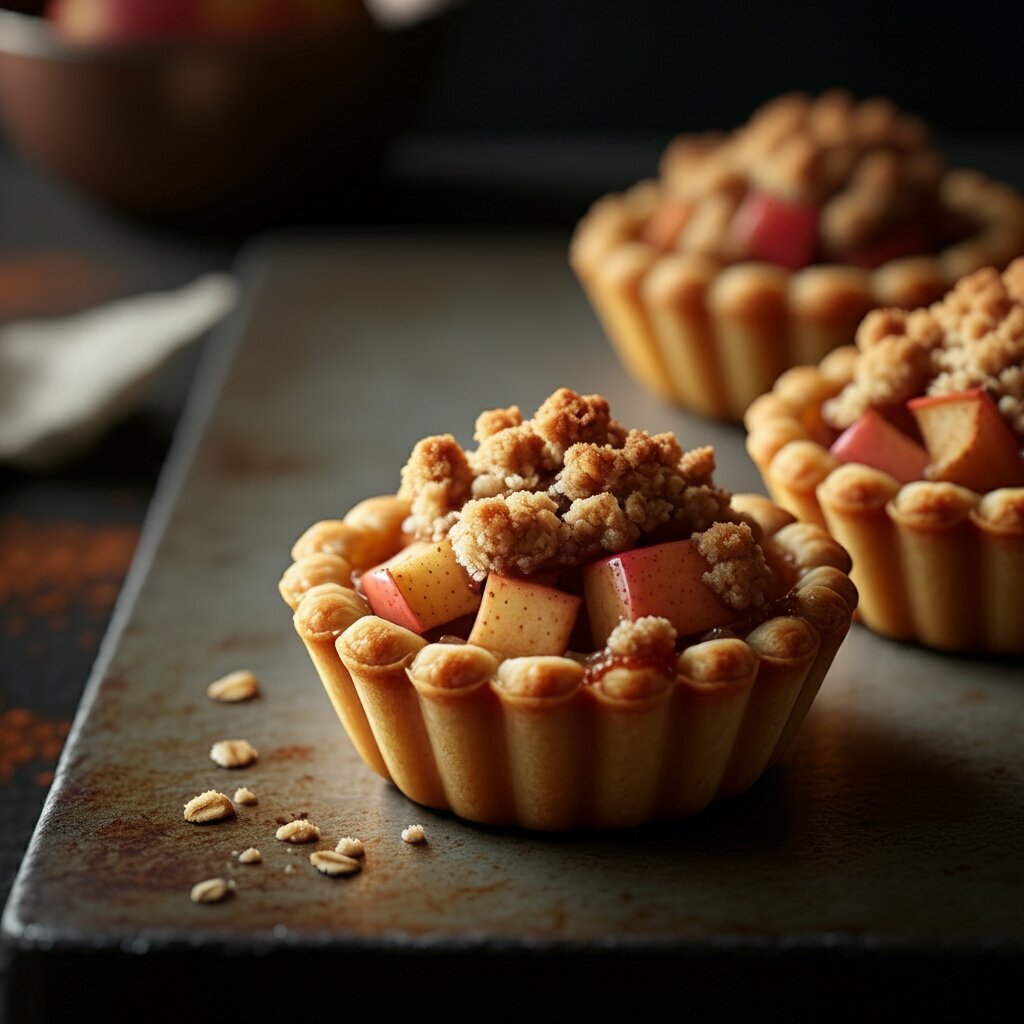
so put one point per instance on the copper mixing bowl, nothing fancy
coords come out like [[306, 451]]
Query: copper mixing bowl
[[188, 128]]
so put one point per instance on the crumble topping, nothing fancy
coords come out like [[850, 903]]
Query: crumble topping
[[866, 165], [563, 487], [490, 421], [972, 338], [739, 574], [437, 480], [649, 639]]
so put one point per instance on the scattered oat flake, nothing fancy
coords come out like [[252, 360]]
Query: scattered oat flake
[[212, 890], [350, 847], [298, 832], [250, 856], [209, 806], [233, 753], [414, 834], [330, 862], [245, 796], [233, 687]]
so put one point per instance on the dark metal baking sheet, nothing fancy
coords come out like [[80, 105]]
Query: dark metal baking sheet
[[894, 824]]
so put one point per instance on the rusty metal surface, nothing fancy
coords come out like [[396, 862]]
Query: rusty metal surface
[[894, 822]]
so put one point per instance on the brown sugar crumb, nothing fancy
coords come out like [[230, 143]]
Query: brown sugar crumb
[[514, 459], [492, 420], [207, 807], [437, 480], [648, 639], [567, 418], [520, 533], [414, 834], [739, 574], [972, 338]]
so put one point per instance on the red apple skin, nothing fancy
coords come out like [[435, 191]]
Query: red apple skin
[[968, 441], [388, 601], [873, 441], [421, 587], [776, 230], [111, 21], [664, 579], [94, 21], [902, 241], [519, 617]]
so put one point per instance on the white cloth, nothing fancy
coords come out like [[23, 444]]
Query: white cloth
[[64, 381]]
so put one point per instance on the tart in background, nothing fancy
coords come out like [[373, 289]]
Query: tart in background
[[907, 448], [764, 248], [570, 626]]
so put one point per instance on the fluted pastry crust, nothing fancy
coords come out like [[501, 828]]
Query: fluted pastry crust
[[695, 322], [548, 742], [933, 562]]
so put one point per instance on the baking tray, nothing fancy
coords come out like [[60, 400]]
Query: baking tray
[[891, 835]]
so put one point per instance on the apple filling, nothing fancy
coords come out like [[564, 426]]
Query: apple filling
[[808, 181], [558, 528], [938, 393]]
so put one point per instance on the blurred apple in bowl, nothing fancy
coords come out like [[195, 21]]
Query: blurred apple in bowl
[[192, 109], [112, 21]]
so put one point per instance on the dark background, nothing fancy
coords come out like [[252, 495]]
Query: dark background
[[544, 105], [659, 66]]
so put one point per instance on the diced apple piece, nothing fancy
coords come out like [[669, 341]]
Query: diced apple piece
[[776, 230], [519, 617], [664, 225], [421, 587], [873, 441], [968, 441], [664, 579], [903, 240]]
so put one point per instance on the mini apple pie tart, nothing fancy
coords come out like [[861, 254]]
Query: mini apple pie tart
[[763, 249], [570, 626], [907, 448]]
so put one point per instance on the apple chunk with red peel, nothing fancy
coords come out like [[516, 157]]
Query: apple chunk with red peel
[[664, 579], [873, 441], [776, 230], [518, 617], [968, 441], [421, 587]]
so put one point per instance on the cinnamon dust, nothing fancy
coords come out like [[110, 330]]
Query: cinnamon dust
[[54, 575]]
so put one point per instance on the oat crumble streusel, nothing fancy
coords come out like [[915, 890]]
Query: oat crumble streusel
[[866, 165], [566, 486], [972, 338]]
